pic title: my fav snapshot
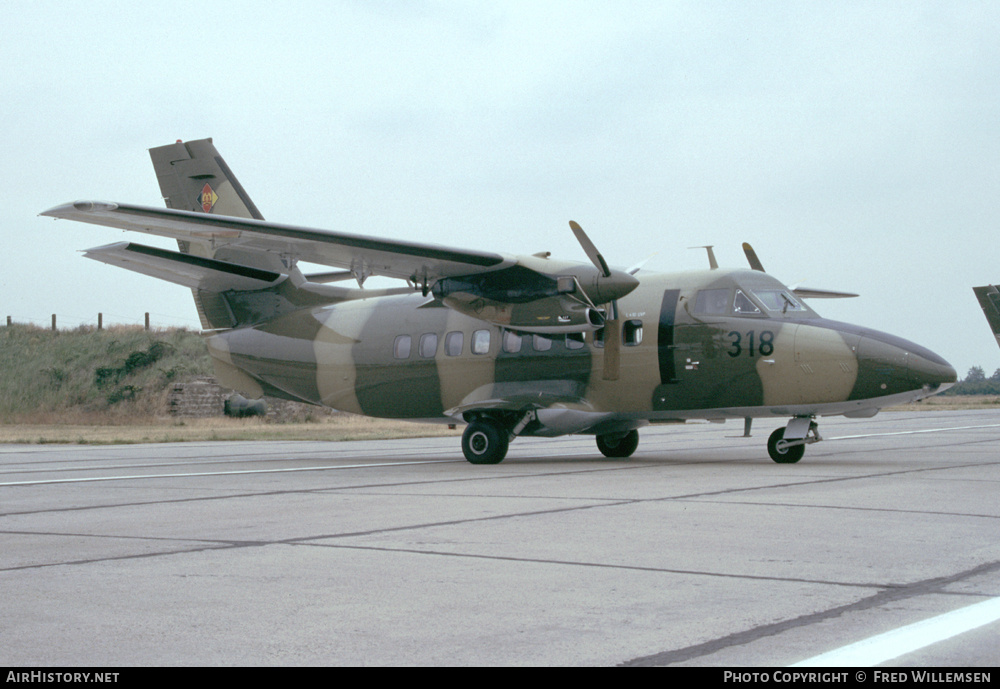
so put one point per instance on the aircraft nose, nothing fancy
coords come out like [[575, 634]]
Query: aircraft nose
[[890, 365], [933, 374]]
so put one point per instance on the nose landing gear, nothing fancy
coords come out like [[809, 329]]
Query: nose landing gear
[[787, 445]]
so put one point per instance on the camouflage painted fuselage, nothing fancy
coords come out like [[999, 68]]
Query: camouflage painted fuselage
[[682, 357], [510, 345]]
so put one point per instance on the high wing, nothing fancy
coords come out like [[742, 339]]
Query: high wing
[[364, 256], [228, 253], [526, 293]]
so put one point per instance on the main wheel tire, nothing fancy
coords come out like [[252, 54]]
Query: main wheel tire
[[787, 455], [616, 445], [485, 441]]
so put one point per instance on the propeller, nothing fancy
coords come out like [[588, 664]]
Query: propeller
[[608, 288]]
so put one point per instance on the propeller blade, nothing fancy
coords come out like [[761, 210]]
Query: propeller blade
[[752, 257], [638, 266], [612, 347], [622, 285], [588, 248]]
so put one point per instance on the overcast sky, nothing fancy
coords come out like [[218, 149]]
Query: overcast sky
[[855, 145]]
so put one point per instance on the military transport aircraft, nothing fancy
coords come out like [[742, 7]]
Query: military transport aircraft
[[509, 345], [989, 300]]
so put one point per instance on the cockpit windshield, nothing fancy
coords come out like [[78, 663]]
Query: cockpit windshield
[[742, 306], [724, 302], [747, 302], [778, 300]]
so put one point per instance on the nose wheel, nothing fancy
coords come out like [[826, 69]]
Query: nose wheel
[[780, 451], [787, 445]]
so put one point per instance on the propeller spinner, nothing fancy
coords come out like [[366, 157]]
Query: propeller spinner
[[609, 285]]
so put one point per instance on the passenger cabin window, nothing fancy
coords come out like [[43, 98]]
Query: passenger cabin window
[[401, 347], [632, 333], [428, 345], [511, 342], [712, 302], [541, 343], [742, 305], [599, 337], [481, 342], [453, 343]]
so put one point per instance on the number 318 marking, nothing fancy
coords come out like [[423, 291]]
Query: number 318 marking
[[764, 345]]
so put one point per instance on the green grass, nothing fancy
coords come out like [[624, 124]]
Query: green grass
[[89, 386], [82, 374]]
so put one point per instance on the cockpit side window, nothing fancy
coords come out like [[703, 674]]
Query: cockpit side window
[[712, 302], [742, 305]]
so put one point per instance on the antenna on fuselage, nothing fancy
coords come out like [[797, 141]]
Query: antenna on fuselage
[[712, 263]]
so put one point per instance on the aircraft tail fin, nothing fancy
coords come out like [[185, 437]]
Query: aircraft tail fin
[[194, 177], [989, 300]]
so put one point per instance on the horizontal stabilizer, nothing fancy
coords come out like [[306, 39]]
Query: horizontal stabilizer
[[184, 269]]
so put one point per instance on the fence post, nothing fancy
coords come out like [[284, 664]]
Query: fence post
[[100, 321], [53, 322], [8, 320], [147, 320]]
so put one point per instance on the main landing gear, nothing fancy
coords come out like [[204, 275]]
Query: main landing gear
[[485, 441], [618, 444], [787, 445], [487, 438]]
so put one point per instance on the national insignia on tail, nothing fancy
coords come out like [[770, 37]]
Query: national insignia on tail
[[208, 198]]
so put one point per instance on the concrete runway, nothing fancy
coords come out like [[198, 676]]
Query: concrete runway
[[698, 550]]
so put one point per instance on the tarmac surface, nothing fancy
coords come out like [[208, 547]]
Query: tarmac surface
[[698, 550]]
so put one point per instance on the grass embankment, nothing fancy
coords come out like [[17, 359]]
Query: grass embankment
[[112, 386], [90, 376]]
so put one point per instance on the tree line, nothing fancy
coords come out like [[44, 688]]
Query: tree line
[[976, 383]]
